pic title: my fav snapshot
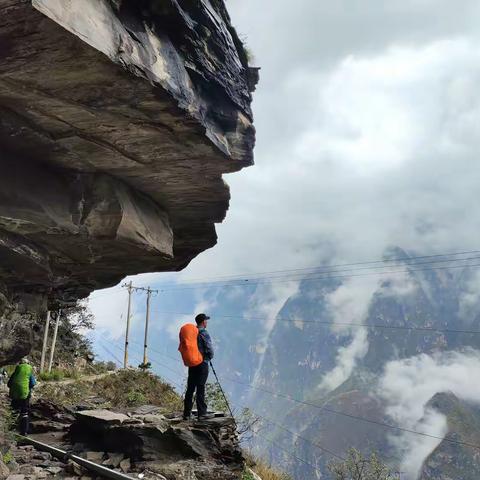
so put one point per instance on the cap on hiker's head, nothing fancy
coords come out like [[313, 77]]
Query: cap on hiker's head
[[24, 360], [201, 317]]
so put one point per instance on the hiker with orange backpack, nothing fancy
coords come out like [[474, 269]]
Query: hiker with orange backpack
[[197, 351]]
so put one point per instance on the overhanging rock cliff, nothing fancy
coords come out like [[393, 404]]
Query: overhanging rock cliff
[[117, 120]]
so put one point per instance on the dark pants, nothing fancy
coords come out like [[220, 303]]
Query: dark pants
[[22, 408], [197, 378]]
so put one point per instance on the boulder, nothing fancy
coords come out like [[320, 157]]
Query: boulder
[[125, 465], [158, 439], [113, 460], [100, 418], [96, 457], [4, 470]]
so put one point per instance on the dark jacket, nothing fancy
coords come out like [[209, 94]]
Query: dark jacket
[[205, 344]]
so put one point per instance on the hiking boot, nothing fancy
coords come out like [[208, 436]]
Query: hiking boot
[[206, 416], [186, 417]]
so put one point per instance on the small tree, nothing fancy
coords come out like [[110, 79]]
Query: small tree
[[247, 421], [214, 398], [358, 467]]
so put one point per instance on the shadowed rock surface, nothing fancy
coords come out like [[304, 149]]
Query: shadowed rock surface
[[117, 121]]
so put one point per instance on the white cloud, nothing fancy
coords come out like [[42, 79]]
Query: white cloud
[[407, 386], [109, 307], [268, 300], [398, 285], [176, 321], [346, 360], [349, 304], [469, 300]]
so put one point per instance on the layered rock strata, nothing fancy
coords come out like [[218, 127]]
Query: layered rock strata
[[117, 121]]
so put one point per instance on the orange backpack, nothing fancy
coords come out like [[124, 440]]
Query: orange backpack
[[189, 345]]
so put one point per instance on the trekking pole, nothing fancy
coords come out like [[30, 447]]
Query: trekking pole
[[223, 393]]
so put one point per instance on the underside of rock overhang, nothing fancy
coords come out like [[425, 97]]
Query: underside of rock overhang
[[117, 121]]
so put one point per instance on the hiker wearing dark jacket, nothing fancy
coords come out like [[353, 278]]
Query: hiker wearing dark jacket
[[205, 343], [20, 387], [197, 376]]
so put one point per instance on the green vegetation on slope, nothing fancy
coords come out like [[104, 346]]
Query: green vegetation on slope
[[263, 470], [129, 388], [125, 388]]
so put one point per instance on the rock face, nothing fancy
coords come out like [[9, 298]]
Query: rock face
[[455, 460], [153, 443], [139, 441], [117, 120]]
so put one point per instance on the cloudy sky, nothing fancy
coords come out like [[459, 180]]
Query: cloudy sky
[[367, 116], [366, 119]]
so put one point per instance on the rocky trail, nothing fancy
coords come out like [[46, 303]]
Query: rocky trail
[[140, 442]]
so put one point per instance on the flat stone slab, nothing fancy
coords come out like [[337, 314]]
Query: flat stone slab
[[102, 416]]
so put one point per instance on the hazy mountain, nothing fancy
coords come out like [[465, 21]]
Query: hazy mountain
[[363, 371], [322, 342]]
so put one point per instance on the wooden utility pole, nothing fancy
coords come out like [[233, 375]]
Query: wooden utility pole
[[147, 318], [127, 331], [45, 342], [54, 341]]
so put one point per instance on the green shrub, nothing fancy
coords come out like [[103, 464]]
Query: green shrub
[[54, 376], [135, 398], [7, 458], [247, 475]]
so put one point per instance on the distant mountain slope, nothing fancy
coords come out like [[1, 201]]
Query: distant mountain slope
[[344, 369]]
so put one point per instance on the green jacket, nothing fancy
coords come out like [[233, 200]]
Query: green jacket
[[21, 382]]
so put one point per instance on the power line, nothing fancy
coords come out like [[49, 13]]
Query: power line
[[247, 282], [288, 452], [323, 267], [314, 444], [155, 361], [335, 412], [302, 402], [120, 362], [282, 427], [276, 424], [340, 324], [111, 353]]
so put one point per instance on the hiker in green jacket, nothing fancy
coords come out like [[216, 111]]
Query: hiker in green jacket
[[20, 385]]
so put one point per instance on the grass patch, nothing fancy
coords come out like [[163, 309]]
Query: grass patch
[[263, 470], [131, 388], [65, 395], [123, 389]]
